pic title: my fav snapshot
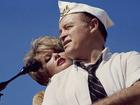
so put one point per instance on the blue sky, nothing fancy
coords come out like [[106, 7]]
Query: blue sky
[[21, 21]]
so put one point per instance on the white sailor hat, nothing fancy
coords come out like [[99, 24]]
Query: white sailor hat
[[72, 7]]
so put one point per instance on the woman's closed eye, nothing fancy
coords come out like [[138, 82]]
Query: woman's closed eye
[[47, 58]]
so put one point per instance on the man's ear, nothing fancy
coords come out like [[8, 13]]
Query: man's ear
[[94, 24]]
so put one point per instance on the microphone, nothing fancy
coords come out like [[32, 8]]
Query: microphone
[[32, 66]]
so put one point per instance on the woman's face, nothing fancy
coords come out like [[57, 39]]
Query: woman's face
[[51, 64], [57, 62]]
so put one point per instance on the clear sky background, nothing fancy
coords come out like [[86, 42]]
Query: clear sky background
[[21, 21]]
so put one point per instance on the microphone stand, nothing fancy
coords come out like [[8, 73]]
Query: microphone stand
[[1, 95], [4, 84], [32, 66]]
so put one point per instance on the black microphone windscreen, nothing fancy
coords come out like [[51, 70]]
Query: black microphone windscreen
[[32, 66]]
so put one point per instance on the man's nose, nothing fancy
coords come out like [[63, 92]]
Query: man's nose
[[62, 36]]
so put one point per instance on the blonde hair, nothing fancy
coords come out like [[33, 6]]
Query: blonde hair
[[38, 98], [42, 48]]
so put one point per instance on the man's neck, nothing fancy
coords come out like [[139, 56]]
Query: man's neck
[[93, 58], [95, 55]]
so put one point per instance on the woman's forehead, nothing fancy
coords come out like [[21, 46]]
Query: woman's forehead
[[43, 55]]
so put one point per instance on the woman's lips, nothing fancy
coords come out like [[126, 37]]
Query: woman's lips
[[60, 61]]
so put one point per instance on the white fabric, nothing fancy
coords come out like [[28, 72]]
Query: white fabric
[[72, 7], [119, 70], [69, 87]]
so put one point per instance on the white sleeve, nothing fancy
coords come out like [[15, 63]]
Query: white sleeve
[[132, 68], [49, 96]]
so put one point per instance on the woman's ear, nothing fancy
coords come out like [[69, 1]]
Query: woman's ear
[[94, 23]]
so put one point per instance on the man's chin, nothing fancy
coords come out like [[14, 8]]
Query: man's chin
[[70, 53]]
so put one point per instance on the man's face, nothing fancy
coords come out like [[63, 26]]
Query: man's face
[[75, 35]]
